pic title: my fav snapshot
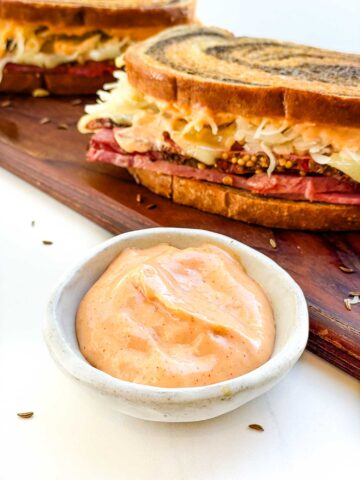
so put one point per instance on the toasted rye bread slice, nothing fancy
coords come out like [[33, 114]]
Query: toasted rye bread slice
[[100, 13], [247, 207], [248, 76], [56, 83], [59, 84]]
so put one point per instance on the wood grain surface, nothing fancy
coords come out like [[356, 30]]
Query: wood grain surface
[[51, 157]]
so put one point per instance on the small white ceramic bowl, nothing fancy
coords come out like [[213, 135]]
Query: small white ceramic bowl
[[177, 404]]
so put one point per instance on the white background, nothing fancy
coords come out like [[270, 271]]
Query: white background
[[333, 24], [311, 419]]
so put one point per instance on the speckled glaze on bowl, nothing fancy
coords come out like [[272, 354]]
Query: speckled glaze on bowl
[[181, 404]]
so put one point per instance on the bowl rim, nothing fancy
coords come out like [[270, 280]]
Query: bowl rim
[[79, 368]]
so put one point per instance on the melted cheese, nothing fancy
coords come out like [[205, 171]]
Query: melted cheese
[[206, 136], [204, 145], [338, 137], [51, 46]]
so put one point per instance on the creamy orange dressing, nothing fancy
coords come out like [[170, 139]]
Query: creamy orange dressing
[[175, 318], [338, 137]]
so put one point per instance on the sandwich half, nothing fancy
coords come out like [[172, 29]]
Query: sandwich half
[[69, 46], [258, 130]]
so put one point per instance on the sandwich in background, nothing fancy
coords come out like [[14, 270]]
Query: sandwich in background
[[69, 46], [257, 130]]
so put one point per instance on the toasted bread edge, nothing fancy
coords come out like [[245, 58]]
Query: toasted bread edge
[[56, 84], [97, 16], [298, 105], [242, 205]]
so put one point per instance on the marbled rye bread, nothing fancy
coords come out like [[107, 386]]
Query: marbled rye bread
[[100, 13], [248, 76]]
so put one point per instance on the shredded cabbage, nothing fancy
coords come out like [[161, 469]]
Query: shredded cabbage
[[271, 156], [205, 136]]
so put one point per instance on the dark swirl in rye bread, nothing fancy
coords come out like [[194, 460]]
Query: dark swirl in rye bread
[[248, 76]]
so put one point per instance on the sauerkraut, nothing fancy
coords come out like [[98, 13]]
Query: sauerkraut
[[206, 136], [48, 47]]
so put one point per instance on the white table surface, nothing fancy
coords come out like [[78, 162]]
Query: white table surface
[[311, 419]]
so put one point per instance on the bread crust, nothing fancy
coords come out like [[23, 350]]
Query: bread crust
[[106, 14], [13, 82], [218, 97], [55, 83], [298, 104], [247, 207]]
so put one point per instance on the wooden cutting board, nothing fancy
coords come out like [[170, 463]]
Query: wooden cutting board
[[51, 157]]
